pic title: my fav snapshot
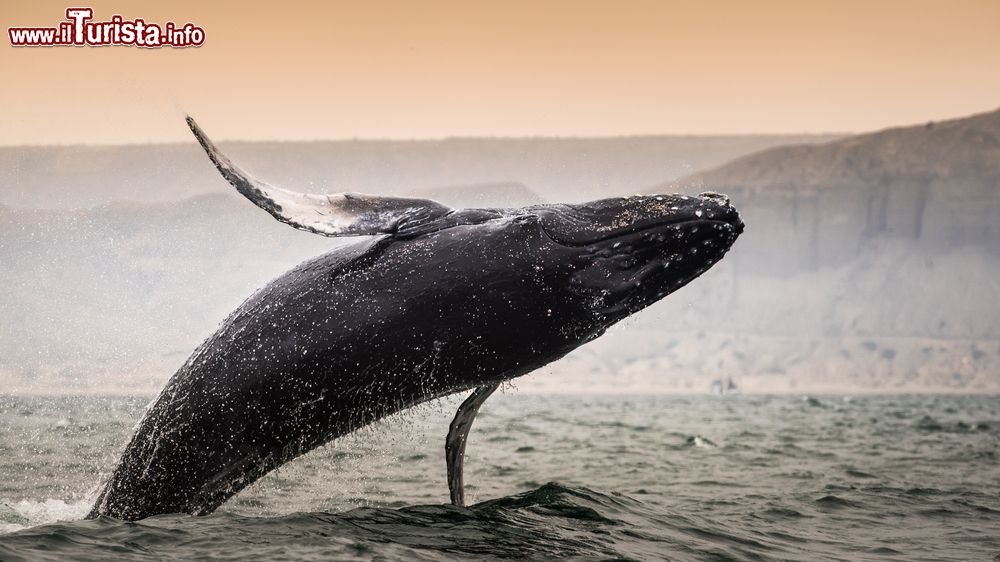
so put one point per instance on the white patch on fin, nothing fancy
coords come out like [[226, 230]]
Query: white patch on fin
[[333, 214]]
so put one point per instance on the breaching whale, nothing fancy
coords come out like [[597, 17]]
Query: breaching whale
[[433, 301]]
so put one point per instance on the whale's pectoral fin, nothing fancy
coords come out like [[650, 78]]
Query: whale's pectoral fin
[[333, 214], [458, 433]]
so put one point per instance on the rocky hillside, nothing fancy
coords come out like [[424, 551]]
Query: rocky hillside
[[509, 194], [936, 184]]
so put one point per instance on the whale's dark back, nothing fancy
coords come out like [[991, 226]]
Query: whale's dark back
[[339, 342]]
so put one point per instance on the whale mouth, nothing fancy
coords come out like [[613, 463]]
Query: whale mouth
[[689, 247]]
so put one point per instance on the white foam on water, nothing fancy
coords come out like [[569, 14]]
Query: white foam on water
[[15, 516]]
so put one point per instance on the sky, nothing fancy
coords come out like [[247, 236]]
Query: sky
[[432, 69]]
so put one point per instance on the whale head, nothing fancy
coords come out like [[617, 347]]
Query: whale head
[[627, 253]]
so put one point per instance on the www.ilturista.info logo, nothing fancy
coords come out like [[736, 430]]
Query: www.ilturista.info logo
[[79, 31]]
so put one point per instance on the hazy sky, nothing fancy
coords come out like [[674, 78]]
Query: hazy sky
[[418, 69]]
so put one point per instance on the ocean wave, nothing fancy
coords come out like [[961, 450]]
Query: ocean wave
[[553, 521]]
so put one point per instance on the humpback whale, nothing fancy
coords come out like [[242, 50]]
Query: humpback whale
[[428, 302]]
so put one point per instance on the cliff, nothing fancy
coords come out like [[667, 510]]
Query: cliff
[[936, 185]]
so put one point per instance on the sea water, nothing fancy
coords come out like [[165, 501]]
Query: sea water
[[548, 477]]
